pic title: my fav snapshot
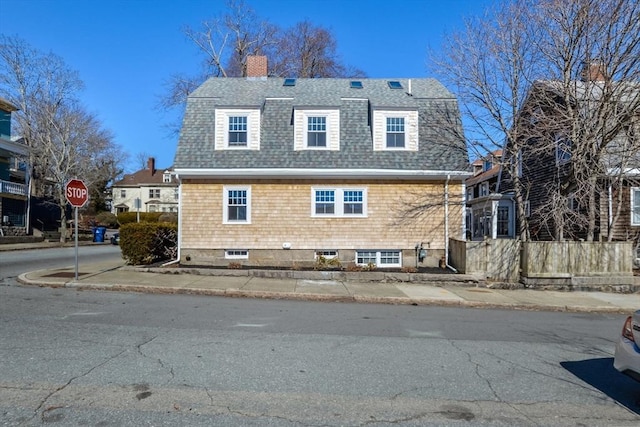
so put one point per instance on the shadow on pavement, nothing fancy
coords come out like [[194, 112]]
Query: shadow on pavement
[[601, 374]]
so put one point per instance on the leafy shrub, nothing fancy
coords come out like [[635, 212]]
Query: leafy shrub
[[129, 217], [107, 219], [145, 243]]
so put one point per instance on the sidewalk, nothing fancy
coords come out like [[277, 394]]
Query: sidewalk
[[441, 291]]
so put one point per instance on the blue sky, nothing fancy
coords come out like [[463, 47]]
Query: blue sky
[[125, 50]]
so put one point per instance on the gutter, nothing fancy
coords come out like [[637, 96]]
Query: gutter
[[302, 173]]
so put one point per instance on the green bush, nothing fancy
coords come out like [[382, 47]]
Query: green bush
[[107, 219], [129, 217], [146, 243]]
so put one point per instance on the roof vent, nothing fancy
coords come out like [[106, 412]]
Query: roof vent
[[355, 84], [394, 84], [289, 82]]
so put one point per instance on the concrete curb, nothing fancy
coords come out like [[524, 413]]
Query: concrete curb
[[292, 296]]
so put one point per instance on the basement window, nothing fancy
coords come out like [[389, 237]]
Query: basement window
[[236, 254], [382, 259]]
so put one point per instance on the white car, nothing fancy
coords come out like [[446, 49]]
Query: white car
[[627, 355]]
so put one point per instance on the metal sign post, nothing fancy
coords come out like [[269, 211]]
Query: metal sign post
[[77, 195], [76, 235]]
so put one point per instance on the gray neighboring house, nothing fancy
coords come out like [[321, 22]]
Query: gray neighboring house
[[292, 172]]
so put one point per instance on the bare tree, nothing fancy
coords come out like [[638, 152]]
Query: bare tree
[[491, 64], [65, 140], [549, 75], [226, 41], [309, 51], [140, 160], [591, 51]]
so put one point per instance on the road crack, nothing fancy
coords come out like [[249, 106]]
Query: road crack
[[62, 387]]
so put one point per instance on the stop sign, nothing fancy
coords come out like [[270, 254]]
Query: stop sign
[[77, 193]]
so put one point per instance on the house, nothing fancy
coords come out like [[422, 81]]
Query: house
[[489, 213], [546, 160], [290, 172], [147, 190], [14, 188]]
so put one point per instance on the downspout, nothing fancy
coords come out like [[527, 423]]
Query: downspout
[[175, 261], [446, 225]]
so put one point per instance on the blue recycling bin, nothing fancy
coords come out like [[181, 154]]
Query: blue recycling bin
[[99, 233]]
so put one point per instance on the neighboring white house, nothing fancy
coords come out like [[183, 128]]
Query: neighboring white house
[[156, 190]]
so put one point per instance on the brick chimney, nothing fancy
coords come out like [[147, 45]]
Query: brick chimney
[[151, 165], [594, 71], [256, 66]]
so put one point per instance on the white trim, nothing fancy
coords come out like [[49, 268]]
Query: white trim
[[379, 128], [300, 128], [225, 203], [338, 202], [222, 128], [379, 257], [633, 191], [323, 173], [228, 255], [324, 254]]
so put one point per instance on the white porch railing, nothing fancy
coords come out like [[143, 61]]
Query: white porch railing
[[7, 187]]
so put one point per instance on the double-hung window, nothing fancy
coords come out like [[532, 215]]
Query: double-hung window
[[237, 131], [339, 202], [395, 132], [563, 149], [237, 205], [316, 131], [353, 202], [154, 193], [325, 202], [635, 206]]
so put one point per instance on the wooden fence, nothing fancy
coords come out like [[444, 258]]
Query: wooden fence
[[564, 263]]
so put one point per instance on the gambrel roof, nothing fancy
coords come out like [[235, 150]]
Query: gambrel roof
[[441, 143]]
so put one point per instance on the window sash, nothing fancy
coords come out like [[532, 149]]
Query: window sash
[[383, 258], [395, 132], [353, 202], [635, 206], [316, 131], [236, 205], [503, 221], [237, 130], [339, 202], [325, 202], [236, 254]]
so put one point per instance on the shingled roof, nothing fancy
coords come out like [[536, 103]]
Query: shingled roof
[[441, 143]]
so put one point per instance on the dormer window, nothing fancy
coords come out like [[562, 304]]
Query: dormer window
[[166, 177], [237, 131], [395, 132], [486, 165], [316, 131]]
